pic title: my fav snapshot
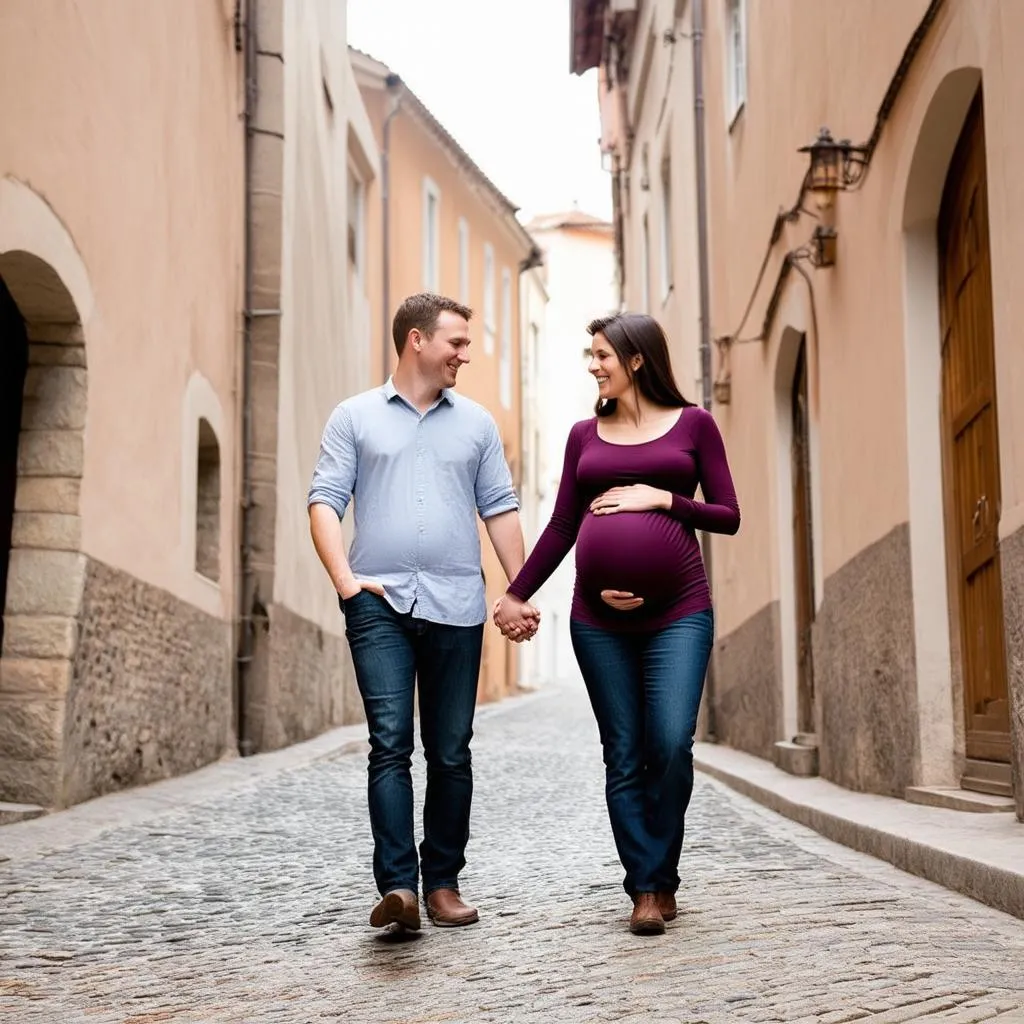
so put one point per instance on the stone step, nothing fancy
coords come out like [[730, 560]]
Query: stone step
[[10, 813], [796, 758], [955, 799]]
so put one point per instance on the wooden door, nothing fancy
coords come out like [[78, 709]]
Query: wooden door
[[971, 438], [803, 546]]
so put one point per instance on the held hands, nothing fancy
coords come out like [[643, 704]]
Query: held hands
[[634, 498], [517, 620]]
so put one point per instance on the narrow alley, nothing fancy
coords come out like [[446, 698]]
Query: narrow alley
[[241, 895]]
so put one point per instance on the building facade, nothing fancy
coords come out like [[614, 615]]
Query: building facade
[[866, 376], [450, 230], [174, 329]]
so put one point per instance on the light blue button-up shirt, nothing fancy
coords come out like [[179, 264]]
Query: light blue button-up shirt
[[418, 481]]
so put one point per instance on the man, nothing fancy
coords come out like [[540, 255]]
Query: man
[[421, 462]]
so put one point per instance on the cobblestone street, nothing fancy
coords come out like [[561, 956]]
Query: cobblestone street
[[252, 907]]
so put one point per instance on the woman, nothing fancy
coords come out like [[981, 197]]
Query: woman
[[641, 621]]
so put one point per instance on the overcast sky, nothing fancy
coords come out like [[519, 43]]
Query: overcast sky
[[497, 77]]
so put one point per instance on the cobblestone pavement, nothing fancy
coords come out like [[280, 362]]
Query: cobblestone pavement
[[252, 907]]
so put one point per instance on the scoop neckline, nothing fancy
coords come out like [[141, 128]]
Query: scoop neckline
[[639, 444]]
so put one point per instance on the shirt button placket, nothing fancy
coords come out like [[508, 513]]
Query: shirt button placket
[[420, 501]]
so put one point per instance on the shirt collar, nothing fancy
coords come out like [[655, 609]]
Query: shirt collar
[[390, 392]]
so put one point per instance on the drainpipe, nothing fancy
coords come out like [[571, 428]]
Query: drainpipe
[[697, 32], [392, 83], [245, 37]]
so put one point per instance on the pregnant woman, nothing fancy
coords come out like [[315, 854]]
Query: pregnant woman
[[641, 621]]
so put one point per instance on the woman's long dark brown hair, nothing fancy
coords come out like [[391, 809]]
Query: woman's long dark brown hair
[[636, 334]]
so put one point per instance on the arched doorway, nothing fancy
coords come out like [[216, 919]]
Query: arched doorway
[[970, 449]]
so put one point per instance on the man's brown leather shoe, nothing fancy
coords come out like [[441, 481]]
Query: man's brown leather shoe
[[667, 904], [399, 906], [446, 909], [646, 919]]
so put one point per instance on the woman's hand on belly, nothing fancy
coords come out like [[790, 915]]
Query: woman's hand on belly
[[621, 600], [632, 498]]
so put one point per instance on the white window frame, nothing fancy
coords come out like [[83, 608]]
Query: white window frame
[[665, 197], [357, 217], [505, 353], [735, 58], [464, 261], [490, 313], [431, 236]]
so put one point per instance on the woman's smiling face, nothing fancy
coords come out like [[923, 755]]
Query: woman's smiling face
[[612, 379]]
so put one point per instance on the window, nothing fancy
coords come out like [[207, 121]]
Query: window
[[505, 357], [645, 267], [356, 221], [666, 227], [490, 316], [463, 261], [736, 58], [431, 236], [208, 504]]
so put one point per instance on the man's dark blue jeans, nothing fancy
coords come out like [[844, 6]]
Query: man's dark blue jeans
[[393, 653], [645, 689]]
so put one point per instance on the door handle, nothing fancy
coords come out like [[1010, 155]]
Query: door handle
[[980, 518]]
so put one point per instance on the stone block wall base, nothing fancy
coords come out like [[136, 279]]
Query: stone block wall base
[[865, 670], [747, 690], [301, 683], [1011, 556], [151, 690]]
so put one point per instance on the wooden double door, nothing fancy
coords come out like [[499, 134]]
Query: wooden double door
[[971, 457]]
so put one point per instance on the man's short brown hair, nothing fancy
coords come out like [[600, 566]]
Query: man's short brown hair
[[420, 312]]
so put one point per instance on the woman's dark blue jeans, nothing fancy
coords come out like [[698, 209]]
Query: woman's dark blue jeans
[[393, 654], [645, 689]]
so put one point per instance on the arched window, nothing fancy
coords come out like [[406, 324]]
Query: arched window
[[208, 503]]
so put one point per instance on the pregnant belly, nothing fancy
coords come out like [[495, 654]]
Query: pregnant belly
[[645, 553]]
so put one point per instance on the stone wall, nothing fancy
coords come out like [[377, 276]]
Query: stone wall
[[150, 694], [747, 689], [46, 571], [864, 670], [303, 684], [1011, 551]]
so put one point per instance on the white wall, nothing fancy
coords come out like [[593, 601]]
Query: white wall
[[581, 286], [324, 329]]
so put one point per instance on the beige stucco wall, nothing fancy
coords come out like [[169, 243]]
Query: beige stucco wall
[[124, 119], [847, 58], [658, 109], [323, 342], [860, 359]]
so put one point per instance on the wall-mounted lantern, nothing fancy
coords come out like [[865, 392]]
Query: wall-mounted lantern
[[835, 166]]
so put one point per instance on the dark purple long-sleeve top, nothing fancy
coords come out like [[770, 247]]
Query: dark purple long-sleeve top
[[653, 554]]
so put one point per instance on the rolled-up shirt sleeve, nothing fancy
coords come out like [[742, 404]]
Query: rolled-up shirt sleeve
[[494, 491], [334, 478]]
